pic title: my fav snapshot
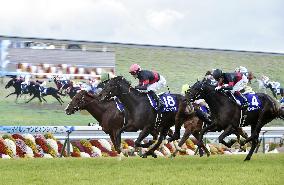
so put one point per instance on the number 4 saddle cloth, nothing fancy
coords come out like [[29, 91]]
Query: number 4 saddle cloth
[[253, 100]]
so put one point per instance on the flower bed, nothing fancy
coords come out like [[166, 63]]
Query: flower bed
[[47, 146]]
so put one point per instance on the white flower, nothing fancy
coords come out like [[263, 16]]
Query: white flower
[[4, 156], [97, 151], [71, 147], [29, 152], [30, 137], [53, 145], [84, 154], [189, 152], [159, 154], [105, 144], [47, 156], [11, 145], [166, 151], [228, 152], [275, 151]]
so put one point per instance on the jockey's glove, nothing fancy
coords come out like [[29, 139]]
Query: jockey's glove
[[218, 88]]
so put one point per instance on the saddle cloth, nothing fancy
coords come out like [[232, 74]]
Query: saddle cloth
[[170, 102], [253, 100]]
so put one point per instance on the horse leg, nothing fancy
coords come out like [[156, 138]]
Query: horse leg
[[196, 135], [226, 132], [118, 135], [144, 133], [156, 146], [117, 149], [253, 146], [185, 136], [201, 134], [31, 99], [57, 98], [10, 94]]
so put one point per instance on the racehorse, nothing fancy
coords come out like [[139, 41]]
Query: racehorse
[[17, 84], [193, 125], [66, 86], [142, 116], [226, 114], [34, 88], [275, 92], [110, 118]]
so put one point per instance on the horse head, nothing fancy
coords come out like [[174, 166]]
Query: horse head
[[77, 103], [199, 90], [114, 87], [10, 83]]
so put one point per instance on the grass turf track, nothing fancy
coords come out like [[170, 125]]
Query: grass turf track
[[179, 66], [265, 169]]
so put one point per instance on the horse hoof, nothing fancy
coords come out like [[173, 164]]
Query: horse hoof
[[154, 156], [144, 156], [247, 159]]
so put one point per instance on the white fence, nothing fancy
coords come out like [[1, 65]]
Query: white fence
[[95, 132]]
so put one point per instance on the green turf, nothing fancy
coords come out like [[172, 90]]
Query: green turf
[[261, 170], [177, 66]]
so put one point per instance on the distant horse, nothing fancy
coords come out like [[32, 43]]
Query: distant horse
[[35, 90], [142, 116], [110, 118], [226, 114], [270, 85], [16, 83]]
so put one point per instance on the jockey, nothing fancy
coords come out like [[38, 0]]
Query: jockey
[[41, 86], [234, 82], [242, 70], [148, 80], [25, 83]]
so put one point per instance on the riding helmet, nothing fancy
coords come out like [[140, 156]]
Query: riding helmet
[[134, 69], [217, 73]]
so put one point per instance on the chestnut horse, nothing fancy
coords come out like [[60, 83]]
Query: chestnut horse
[[106, 113]]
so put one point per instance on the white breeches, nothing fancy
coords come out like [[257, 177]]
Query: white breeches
[[158, 85], [240, 85]]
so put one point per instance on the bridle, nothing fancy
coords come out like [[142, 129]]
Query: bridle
[[82, 103], [197, 94]]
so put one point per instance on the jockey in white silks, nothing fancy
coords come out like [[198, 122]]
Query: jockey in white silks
[[25, 83]]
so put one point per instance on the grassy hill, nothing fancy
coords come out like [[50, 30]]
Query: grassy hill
[[178, 66]]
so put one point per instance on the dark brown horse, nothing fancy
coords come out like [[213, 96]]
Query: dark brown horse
[[106, 113], [227, 115], [16, 83], [142, 116], [193, 125]]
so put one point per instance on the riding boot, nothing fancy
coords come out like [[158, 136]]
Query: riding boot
[[160, 103], [203, 116]]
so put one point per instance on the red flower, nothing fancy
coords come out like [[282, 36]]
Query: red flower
[[18, 136], [20, 152], [130, 142]]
